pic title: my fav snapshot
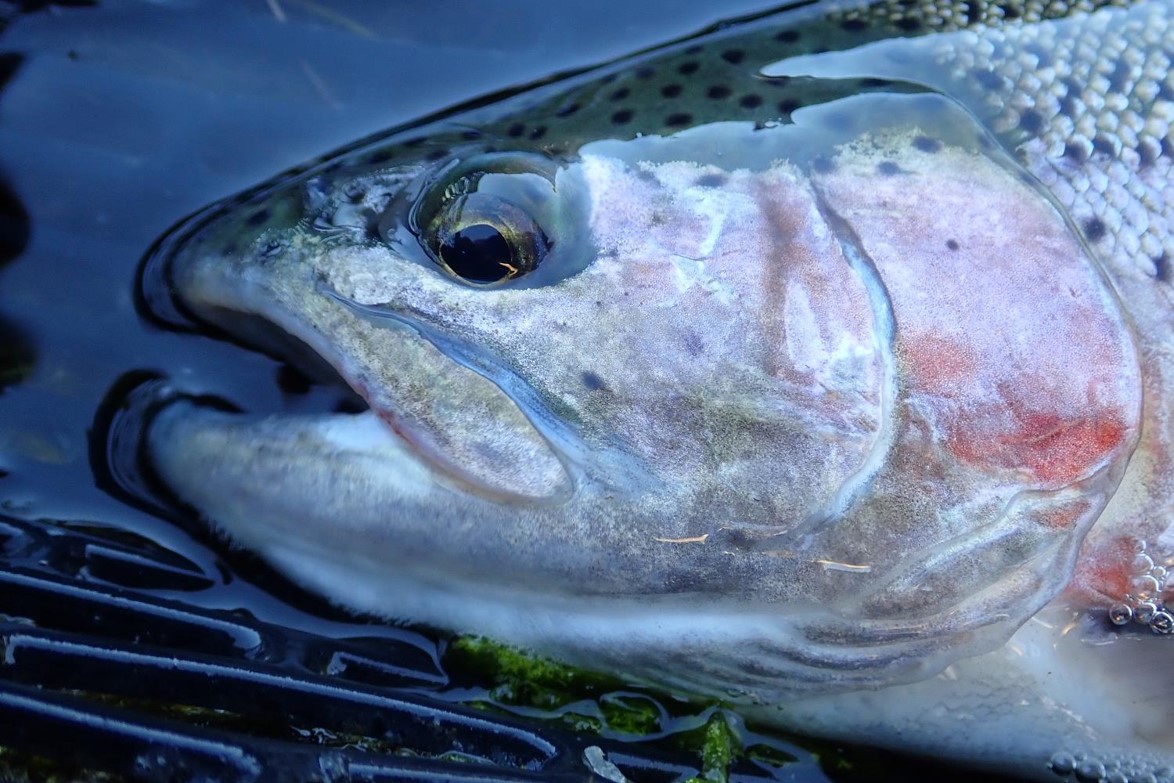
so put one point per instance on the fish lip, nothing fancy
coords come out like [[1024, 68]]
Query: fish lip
[[273, 328]]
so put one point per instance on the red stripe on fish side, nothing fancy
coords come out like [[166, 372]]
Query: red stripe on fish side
[[1104, 571], [1056, 451]]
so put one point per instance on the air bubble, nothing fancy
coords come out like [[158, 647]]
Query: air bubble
[[1062, 763], [1120, 614], [1146, 585], [1091, 770], [1145, 612], [1162, 622]]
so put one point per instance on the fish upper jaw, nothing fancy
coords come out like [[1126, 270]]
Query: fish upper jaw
[[451, 418]]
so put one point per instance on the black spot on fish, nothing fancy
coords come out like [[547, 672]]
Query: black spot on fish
[[619, 94], [927, 144], [440, 153], [718, 92], [258, 217], [688, 68], [733, 56], [887, 168], [1147, 152], [622, 117], [471, 135], [973, 12], [714, 179], [1010, 12], [670, 90], [678, 119], [516, 130], [987, 78], [1094, 229], [952, 244], [1068, 106], [789, 106], [1075, 152], [750, 101], [872, 82], [538, 132], [415, 142], [908, 23], [1105, 146], [853, 25], [567, 110], [1121, 77], [695, 49], [592, 381], [645, 72], [645, 175], [1162, 268], [787, 36], [1042, 55], [1166, 147], [823, 164], [1031, 121]]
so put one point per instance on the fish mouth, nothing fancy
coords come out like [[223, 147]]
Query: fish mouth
[[466, 429]]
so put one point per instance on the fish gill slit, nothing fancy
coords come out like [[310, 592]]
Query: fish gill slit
[[884, 322]]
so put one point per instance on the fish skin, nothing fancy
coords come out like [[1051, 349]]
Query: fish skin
[[903, 714], [1086, 105]]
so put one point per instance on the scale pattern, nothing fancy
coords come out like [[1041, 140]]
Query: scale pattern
[[1087, 105]]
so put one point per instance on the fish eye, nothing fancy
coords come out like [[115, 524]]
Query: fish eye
[[482, 220], [483, 239]]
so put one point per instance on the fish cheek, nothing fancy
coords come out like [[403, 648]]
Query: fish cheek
[[736, 346], [1020, 388]]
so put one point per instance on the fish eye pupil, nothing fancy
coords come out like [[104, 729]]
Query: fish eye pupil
[[479, 253]]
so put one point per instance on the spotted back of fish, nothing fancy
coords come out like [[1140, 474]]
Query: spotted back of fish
[[1078, 91]]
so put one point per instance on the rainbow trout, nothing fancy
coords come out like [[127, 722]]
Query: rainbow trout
[[821, 365]]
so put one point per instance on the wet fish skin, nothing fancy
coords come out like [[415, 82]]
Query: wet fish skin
[[893, 635]]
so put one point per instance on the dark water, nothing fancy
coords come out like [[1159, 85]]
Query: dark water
[[119, 119]]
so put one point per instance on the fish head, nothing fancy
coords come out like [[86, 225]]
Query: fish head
[[737, 410]]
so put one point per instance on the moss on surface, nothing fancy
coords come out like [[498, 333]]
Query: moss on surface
[[718, 746], [517, 678], [598, 704]]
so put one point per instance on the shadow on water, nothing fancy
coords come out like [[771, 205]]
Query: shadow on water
[[17, 355]]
